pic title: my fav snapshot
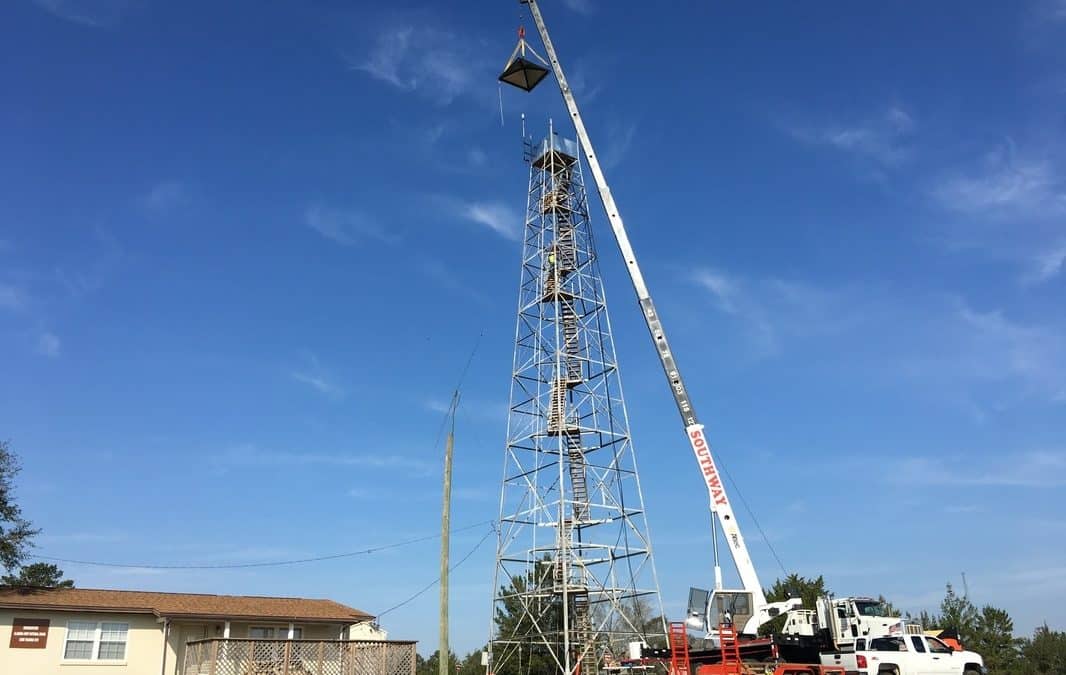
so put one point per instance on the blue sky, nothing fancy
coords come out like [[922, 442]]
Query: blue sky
[[246, 249]]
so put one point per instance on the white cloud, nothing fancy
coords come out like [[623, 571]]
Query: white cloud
[[95, 267], [999, 348], [723, 289], [882, 138], [315, 376], [48, 344], [1014, 203], [438, 406], [580, 6], [318, 382], [1005, 185], [429, 61], [619, 139], [936, 338], [958, 509], [347, 227], [445, 277], [94, 13], [164, 197], [476, 157], [1032, 470], [497, 216], [140, 571], [83, 537], [772, 309], [11, 297], [250, 455], [1048, 264]]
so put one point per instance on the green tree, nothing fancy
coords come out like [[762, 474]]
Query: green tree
[[889, 608], [470, 665], [1044, 654], [16, 533], [518, 649], [45, 575], [994, 640], [958, 614], [927, 620], [431, 666], [793, 586]]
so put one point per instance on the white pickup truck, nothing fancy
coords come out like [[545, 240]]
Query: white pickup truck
[[905, 655]]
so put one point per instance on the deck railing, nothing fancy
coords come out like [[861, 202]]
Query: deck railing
[[235, 656]]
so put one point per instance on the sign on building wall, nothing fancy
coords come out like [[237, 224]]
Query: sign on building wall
[[29, 633]]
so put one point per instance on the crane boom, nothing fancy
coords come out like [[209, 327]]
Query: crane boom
[[719, 500]]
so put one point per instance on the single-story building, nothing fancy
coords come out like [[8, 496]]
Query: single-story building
[[83, 631]]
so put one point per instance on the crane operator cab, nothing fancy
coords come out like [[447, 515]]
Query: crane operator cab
[[707, 610]]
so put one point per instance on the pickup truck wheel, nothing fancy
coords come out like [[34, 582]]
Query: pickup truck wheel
[[888, 671], [971, 671]]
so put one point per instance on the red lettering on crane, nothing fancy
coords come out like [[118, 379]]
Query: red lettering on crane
[[706, 462]]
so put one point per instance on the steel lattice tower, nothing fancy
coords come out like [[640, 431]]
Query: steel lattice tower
[[574, 580]]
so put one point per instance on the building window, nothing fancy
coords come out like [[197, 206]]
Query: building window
[[88, 640], [274, 632]]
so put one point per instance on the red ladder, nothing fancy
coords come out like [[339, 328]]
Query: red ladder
[[678, 648], [727, 642]]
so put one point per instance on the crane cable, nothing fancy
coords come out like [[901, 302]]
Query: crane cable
[[751, 514]]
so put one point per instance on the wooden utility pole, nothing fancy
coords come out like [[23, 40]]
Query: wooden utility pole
[[445, 531]]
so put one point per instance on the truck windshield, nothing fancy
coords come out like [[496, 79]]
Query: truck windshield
[[870, 608]]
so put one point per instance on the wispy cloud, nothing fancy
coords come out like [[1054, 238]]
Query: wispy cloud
[[315, 376], [480, 410], [94, 13], [771, 309], [1013, 202], [1000, 348], [619, 139], [11, 297], [882, 138], [1048, 264], [250, 455], [438, 406], [959, 509], [496, 216], [96, 268], [82, 538], [444, 276], [581, 6], [164, 197], [938, 338], [415, 56], [1032, 470], [347, 227], [1005, 184], [48, 344]]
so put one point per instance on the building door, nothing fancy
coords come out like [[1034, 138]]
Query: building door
[[187, 633]]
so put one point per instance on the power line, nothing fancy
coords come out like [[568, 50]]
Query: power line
[[437, 580], [275, 563]]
